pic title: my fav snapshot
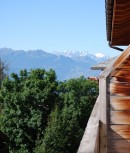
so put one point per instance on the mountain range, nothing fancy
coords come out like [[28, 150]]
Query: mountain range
[[68, 64]]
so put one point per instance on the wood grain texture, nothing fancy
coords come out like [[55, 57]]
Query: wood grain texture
[[125, 64], [120, 117], [103, 113], [119, 103], [122, 75], [122, 58], [122, 89], [117, 132], [121, 78], [118, 146], [120, 23], [90, 140]]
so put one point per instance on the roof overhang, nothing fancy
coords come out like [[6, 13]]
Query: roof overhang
[[118, 22], [103, 65]]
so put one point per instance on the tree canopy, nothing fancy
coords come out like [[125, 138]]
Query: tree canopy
[[3, 70], [27, 100], [68, 120], [42, 115]]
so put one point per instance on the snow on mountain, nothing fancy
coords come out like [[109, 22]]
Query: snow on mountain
[[80, 54], [67, 65], [99, 55], [74, 53]]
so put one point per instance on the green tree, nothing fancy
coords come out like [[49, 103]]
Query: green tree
[[3, 70], [62, 132], [27, 99], [68, 120]]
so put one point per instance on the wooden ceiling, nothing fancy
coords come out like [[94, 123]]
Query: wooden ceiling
[[118, 22]]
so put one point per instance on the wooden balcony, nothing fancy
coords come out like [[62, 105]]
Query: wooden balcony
[[108, 129]]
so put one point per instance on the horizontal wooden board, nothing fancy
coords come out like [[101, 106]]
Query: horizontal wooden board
[[119, 103], [120, 89], [119, 132], [123, 78], [118, 146], [124, 66], [123, 75], [120, 117]]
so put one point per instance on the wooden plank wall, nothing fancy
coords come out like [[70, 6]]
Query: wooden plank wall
[[118, 132]]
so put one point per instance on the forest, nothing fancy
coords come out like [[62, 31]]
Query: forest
[[40, 114]]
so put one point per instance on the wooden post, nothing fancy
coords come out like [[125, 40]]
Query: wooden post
[[90, 140], [103, 121], [103, 90]]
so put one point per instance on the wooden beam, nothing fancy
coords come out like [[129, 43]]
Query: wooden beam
[[90, 140], [103, 93], [103, 113]]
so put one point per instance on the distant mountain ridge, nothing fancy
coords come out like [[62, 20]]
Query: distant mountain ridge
[[67, 64]]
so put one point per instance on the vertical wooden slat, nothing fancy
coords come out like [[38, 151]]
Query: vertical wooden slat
[[103, 89], [103, 127]]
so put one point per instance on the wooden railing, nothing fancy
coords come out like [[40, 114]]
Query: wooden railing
[[94, 139], [90, 140]]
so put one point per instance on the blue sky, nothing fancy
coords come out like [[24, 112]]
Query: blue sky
[[54, 25]]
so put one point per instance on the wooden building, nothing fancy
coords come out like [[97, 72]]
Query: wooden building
[[108, 129], [118, 22]]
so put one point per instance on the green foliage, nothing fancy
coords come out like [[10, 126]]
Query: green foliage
[[3, 71], [68, 120], [61, 134], [43, 116], [27, 100]]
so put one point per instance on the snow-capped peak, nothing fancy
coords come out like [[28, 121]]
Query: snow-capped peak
[[99, 55], [74, 53], [81, 54]]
